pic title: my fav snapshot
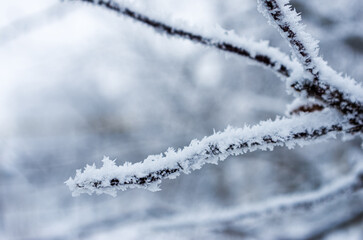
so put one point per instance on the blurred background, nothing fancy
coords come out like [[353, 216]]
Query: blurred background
[[78, 82]]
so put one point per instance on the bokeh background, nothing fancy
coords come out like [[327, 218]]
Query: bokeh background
[[78, 82]]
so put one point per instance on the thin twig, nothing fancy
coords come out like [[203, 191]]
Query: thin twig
[[148, 174], [281, 65], [286, 19]]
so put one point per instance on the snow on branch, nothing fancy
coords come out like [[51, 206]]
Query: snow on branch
[[331, 96], [227, 41], [287, 21], [324, 84], [299, 130]]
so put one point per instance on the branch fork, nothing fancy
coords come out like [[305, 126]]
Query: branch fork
[[337, 104]]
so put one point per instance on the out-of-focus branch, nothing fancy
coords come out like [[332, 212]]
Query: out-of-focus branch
[[24, 25], [307, 108], [335, 225], [339, 189], [258, 52], [303, 105], [302, 130]]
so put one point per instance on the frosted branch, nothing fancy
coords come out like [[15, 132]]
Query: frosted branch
[[324, 84], [287, 21], [226, 41], [301, 130]]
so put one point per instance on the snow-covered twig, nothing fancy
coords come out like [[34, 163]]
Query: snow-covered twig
[[301, 130], [287, 21], [258, 52], [326, 85]]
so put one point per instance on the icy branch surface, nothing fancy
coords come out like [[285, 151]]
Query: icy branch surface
[[301, 130]]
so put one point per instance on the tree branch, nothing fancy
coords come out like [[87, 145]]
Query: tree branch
[[258, 52], [282, 132], [343, 94], [148, 174], [287, 21], [325, 85]]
